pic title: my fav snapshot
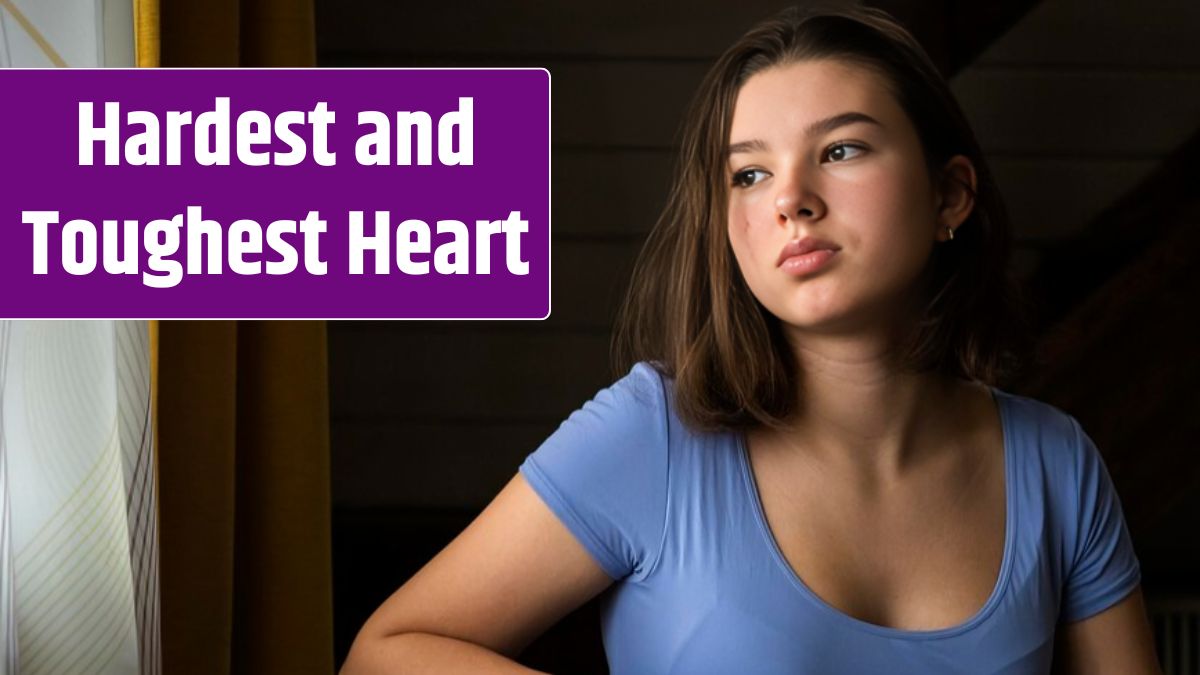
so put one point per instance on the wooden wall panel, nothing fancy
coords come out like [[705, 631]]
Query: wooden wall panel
[[665, 30], [434, 465], [1079, 113], [1123, 34], [589, 282], [471, 372], [616, 193], [439, 415], [620, 104], [1050, 198]]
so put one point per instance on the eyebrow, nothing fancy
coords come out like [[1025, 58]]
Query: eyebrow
[[816, 128]]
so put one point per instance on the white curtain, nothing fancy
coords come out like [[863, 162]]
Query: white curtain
[[78, 511], [79, 551], [66, 33]]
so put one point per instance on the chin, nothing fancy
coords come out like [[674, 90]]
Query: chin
[[825, 320], [808, 320], [805, 311]]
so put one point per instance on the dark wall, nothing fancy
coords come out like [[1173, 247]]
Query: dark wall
[[430, 419]]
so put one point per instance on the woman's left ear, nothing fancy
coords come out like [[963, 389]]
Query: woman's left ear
[[956, 194]]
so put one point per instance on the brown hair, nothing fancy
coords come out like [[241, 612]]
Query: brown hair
[[689, 312]]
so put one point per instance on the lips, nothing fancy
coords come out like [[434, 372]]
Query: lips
[[805, 245]]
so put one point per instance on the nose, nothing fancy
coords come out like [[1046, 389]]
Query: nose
[[797, 201]]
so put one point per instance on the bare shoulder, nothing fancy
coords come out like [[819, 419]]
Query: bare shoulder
[[510, 575]]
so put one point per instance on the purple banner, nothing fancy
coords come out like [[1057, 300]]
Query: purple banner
[[241, 194]]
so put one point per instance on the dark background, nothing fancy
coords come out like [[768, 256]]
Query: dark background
[[1088, 114]]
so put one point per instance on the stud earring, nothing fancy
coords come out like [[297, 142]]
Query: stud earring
[[950, 233]]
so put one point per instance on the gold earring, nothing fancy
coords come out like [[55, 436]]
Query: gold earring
[[950, 233]]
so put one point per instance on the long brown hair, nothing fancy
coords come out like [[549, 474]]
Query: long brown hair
[[689, 312]]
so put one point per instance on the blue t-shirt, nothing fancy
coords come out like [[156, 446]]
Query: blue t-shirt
[[702, 587]]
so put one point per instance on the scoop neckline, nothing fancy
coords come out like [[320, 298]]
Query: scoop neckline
[[1000, 400]]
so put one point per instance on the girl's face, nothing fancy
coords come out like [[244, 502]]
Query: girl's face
[[821, 150]]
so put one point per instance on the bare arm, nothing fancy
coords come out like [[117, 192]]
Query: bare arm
[[510, 575], [1116, 641]]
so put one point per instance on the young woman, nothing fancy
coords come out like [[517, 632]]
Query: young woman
[[809, 467]]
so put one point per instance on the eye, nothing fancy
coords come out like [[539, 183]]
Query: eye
[[747, 177], [838, 151]]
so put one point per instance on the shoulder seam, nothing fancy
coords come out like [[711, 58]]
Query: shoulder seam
[[666, 448], [1078, 461], [595, 545]]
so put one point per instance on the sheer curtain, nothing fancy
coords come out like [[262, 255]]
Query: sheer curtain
[[240, 488], [78, 504], [68, 33], [78, 526]]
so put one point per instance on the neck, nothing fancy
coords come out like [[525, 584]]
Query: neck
[[859, 410]]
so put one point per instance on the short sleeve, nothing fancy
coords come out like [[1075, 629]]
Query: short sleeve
[[604, 471], [1104, 568]]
